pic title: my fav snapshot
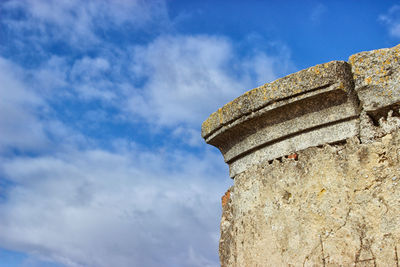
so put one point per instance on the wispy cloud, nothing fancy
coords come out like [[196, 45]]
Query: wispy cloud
[[19, 111], [188, 77], [392, 20], [317, 12], [81, 23], [99, 208], [28, 122]]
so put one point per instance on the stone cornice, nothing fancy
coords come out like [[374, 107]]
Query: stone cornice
[[319, 105]]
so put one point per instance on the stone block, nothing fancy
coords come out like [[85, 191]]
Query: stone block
[[377, 79]]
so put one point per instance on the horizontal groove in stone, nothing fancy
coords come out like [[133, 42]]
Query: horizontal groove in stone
[[343, 130], [290, 86], [282, 138], [278, 104], [323, 104]]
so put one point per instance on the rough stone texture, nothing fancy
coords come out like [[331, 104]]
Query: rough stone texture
[[376, 77], [293, 85], [279, 118], [338, 205], [315, 158], [377, 82], [329, 133], [226, 242]]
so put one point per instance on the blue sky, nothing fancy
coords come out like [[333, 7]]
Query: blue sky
[[101, 104]]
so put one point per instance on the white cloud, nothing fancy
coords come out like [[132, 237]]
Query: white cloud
[[392, 20], [51, 76], [82, 23], [317, 12], [189, 77], [179, 79], [188, 136], [28, 123], [87, 75], [86, 78], [19, 125], [96, 208]]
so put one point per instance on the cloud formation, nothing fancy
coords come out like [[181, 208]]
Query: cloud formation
[[19, 110], [81, 23], [392, 20], [96, 208], [188, 77], [317, 12]]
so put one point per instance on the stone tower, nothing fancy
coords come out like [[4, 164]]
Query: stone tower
[[315, 158]]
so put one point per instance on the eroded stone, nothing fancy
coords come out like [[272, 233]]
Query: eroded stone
[[298, 83], [335, 206], [377, 77], [301, 195], [292, 113]]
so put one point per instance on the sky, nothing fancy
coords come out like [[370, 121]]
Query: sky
[[101, 104]]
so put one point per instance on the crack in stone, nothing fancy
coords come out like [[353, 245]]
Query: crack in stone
[[322, 251], [324, 239], [365, 247]]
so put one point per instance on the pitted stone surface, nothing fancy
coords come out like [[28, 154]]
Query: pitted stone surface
[[290, 86], [377, 83], [323, 135], [333, 206], [377, 77], [315, 158], [301, 110]]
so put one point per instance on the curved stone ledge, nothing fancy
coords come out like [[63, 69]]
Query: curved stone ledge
[[293, 85], [323, 104], [316, 159], [301, 110]]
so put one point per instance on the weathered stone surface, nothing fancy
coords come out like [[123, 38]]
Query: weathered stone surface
[[315, 158], [301, 110], [336, 205], [377, 83], [293, 85], [226, 242], [314, 137], [377, 77]]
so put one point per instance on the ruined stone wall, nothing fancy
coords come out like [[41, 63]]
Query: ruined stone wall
[[315, 158]]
